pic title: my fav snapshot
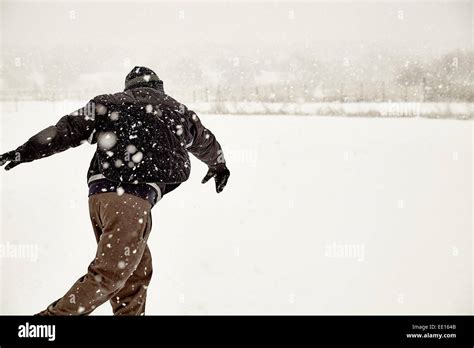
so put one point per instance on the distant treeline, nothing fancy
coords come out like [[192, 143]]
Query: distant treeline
[[291, 77]]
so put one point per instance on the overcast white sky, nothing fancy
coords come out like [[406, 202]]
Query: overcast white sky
[[415, 24]]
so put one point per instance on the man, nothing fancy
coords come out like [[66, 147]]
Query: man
[[143, 137]]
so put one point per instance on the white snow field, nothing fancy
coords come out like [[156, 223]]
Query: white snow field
[[322, 215]]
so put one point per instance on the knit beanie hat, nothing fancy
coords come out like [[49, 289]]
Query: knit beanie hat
[[141, 76]]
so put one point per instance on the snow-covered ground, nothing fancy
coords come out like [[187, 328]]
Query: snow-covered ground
[[322, 215]]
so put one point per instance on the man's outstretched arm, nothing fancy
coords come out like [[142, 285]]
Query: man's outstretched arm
[[70, 131], [204, 145]]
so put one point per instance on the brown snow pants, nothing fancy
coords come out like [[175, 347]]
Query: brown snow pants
[[121, 270]]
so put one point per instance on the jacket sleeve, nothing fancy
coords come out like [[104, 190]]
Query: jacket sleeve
[[70, 131], [202, 143]]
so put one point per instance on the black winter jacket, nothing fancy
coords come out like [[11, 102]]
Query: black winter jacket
[[142, 136]]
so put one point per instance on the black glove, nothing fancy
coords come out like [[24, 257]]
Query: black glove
[[220, 173], [13, 157]]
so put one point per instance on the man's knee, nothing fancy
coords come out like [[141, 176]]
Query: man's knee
[[111, 278]]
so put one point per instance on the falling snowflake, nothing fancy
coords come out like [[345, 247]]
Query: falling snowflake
[[114, 116], [100, 109], [107, 140], [131, 149], [121, 264], [137, 157]]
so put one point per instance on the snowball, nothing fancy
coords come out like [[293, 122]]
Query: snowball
[[105, 165], [120, 191], [118, 163]]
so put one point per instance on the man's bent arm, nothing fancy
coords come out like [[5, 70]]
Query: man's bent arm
[[204, 145]]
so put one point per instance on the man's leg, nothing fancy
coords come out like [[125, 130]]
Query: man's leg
[[122, 224], [131, 299]]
